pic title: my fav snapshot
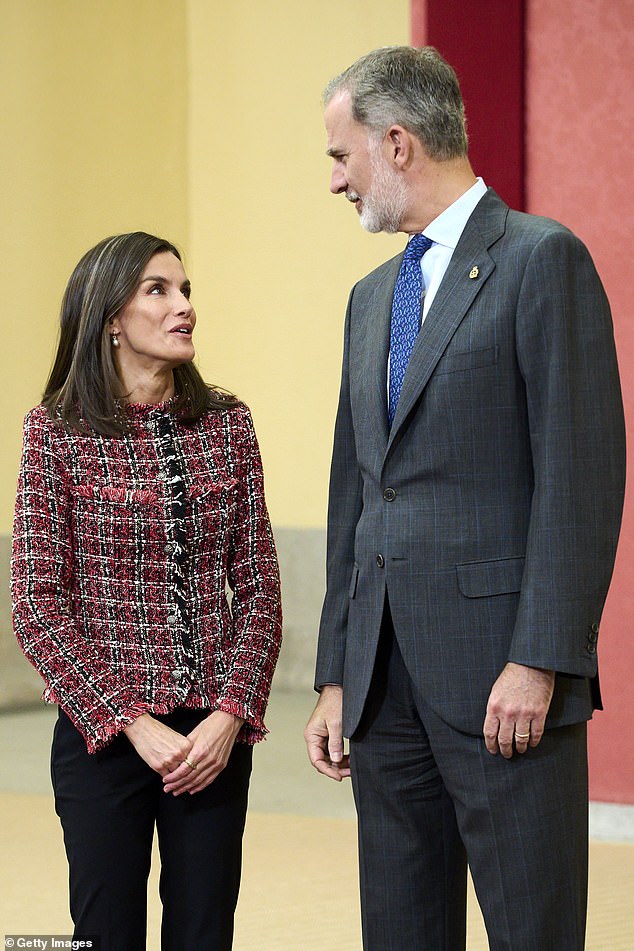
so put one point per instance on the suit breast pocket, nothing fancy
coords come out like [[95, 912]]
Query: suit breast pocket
[[464, 360]]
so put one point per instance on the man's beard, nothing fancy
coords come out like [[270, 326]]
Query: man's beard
[[385, 203]]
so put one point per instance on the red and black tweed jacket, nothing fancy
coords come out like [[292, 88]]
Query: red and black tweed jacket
[[144, 573]]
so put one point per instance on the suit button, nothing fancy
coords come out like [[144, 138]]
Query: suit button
[[177, 675], [595, 628], [591, 648], [389, 495], [380, 560]]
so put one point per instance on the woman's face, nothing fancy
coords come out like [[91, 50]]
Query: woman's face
[[154, 329]]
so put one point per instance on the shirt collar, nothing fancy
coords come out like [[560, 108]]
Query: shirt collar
[[449, 225]]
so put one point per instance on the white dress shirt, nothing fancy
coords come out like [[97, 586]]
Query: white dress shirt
[[445, 232]]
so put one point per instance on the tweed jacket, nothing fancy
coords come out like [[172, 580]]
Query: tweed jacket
[[124, 551]]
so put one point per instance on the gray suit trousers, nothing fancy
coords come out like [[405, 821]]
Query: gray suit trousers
[[431, 798]]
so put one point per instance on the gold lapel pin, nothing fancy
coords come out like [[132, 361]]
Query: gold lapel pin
[[473, 273]]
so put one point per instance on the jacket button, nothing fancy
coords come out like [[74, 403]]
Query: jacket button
[[177, 674], [172, 620], [380, 560], [389, 495], [591, 648]]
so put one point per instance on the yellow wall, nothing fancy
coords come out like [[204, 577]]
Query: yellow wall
[[273, 254], [199, 120], [93, 99]]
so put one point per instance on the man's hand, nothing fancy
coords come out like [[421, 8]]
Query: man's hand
[[323, 735], [517, 708]]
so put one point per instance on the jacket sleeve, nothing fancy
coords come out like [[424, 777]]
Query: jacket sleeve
[[253, 576], [345, 502], [43, 616], [566, 355]]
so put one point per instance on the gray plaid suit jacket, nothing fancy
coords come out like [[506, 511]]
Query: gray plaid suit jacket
[[490, 512]]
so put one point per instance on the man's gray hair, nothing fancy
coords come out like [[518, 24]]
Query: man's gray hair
[[415, 88]]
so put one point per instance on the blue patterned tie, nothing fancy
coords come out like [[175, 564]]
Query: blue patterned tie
[[405, 324]]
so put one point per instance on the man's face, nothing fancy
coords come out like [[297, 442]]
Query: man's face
[[361, 171]]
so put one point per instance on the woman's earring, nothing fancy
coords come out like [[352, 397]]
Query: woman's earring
[[115, 339]]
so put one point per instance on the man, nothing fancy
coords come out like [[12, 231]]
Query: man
[[475, 501]]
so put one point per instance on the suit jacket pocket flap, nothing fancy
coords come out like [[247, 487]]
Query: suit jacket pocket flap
[[481, 579], [467, 360]]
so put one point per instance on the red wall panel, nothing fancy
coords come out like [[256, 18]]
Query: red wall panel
[[484, 42], [580, 139], [545, 87]]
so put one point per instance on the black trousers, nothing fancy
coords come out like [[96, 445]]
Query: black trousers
[[430, 799], [109, 804]]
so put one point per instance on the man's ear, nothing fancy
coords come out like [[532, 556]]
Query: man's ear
[[399, 146]]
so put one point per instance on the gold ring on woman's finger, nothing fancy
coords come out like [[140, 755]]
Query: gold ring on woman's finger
[[191, 765]]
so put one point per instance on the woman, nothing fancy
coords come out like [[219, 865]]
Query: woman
[[140, 502]]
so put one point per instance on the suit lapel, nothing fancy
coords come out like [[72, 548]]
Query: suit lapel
[[375, 351], [468, 271]]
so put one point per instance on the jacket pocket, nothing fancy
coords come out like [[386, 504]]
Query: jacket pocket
[[353, 581], [115, 494], [481, 579], [213, 511], [209, 493], [467, 360]]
